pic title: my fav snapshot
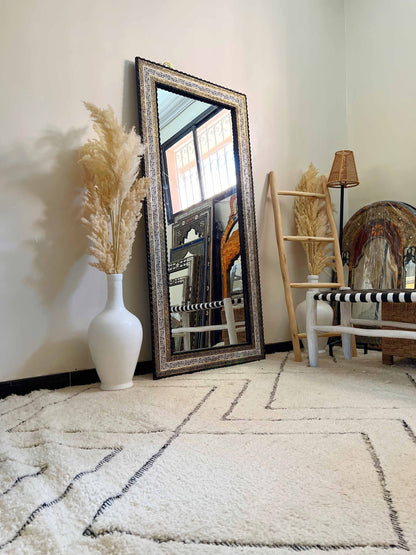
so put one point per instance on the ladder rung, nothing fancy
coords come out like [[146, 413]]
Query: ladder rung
[[315, 285], [308, 239], [327, 334], [301, 194]]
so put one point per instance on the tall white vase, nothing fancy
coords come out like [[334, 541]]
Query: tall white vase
[[115, 339], [325, 316]]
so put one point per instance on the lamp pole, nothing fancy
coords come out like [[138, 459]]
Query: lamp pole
[[341, 217]]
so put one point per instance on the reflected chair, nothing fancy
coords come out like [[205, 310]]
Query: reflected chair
[[186, 329]]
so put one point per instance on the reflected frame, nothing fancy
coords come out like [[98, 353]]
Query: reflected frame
[[149, 76]]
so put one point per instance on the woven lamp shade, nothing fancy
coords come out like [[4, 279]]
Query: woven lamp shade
[[343, 172]]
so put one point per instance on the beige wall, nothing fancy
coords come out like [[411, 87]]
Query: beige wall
[[287, 56], [381, 99]]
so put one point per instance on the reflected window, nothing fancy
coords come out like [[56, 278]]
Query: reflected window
[[199, 160], [215, 144], [183, 177]]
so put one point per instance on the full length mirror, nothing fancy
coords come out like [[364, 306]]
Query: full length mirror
[[205, 297]]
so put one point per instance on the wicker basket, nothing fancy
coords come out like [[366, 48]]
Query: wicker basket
[[398, 312]]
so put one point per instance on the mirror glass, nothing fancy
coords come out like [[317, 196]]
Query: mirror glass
[[200, 200], [203, 268]]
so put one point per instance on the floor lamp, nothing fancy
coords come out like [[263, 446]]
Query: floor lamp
[[343, 175]]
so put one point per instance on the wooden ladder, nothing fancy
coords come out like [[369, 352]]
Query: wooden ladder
[[280, 238]]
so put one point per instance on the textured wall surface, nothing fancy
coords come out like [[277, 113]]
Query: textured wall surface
[[288, 57]]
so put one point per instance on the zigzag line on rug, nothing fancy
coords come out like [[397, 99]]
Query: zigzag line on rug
[[394, 518], [44, 467], [315, 418], [180, 385], [406, 426], [272, 398], [258, 545], [86, 447], [411, 378], [87, 430], [409, 431], [49, 405], [274, 389], [48, 504], [234, 403], [276, 383], [22, 406], [271, 433], [402, 544], [141, 471], [20, 478], [341, 408]]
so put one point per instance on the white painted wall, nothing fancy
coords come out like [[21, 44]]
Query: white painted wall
[[298, 118], [287, 56], [381, 99]]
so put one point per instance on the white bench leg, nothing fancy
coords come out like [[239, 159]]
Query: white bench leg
[[312, 336], [346, 337], [229, 315], [186, 335]]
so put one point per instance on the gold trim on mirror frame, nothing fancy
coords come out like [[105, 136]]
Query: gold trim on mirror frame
[[149, 75]]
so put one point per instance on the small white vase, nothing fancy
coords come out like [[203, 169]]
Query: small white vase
[[324, 317], [115, 339]]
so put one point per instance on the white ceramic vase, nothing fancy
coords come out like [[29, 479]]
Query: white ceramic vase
[[325, 316], [115, 339]]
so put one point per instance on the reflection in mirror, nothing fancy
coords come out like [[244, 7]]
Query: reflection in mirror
[[410, 268], [200, 221], [410, 275], [236, 281], [197, 150], [199, 185]]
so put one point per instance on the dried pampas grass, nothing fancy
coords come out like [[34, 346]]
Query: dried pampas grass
[[312, 220], [113, 192]]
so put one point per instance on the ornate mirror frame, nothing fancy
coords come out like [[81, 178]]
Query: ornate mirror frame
[[149, 76]]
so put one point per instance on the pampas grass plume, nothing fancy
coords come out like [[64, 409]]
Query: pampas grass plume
[[114, 193], [312, 220]]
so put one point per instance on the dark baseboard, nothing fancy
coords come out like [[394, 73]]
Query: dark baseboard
[[83, 377], [281, 347], [58, 381]]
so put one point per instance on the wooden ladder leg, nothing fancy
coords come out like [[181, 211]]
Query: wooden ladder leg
[[353, 346], [283, 268]]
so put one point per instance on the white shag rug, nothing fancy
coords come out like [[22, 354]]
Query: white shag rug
[[262, 458]]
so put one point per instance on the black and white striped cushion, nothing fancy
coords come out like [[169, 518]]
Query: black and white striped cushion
[[203, 306], [367, 296]]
